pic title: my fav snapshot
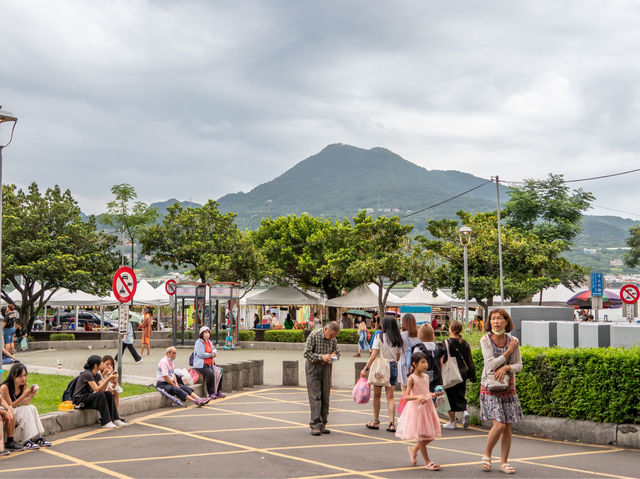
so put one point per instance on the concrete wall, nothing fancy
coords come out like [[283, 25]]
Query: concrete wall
[[594, 335], [535, 313], [625, 335], [539, 333], [567, 334]]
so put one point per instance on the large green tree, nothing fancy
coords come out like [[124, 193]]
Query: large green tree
[[127, 215], [206, 241], [384, 254], [632, 257], [529, 263], [47, 246], [306, 251]]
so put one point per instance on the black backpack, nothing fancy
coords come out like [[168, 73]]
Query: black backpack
[[431, 359], [67, 395]]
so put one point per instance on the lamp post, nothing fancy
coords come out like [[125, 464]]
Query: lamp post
[[464, 233], [5, 117]]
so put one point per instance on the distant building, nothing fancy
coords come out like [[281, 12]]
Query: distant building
[[590, 250], [616, 262], [369, 210]]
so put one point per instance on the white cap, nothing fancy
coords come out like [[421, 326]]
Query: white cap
[[202, 329]]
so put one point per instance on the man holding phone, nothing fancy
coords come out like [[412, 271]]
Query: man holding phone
[[320, 351]]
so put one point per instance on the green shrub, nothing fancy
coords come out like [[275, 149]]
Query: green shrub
[[62, 337], [187, 335], [350, 336], [593, 384], [284, 335], [246, 335]]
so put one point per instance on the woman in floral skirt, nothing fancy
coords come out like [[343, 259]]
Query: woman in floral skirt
[[498, 397]]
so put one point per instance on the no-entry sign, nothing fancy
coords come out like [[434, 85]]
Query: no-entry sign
[[124, 284], [170, 287], [629, 293]]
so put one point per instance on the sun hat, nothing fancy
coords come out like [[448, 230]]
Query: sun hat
[[203, 329]]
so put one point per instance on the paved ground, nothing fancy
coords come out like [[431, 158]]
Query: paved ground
[[72, 361], [263, 432]]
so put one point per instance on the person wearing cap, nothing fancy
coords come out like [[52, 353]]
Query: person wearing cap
[[203, 354], [171, 384]]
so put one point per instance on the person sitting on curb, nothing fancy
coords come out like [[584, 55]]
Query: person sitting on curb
[[167, 381], [90, 393], [15, 391], [108, 366], [203, 361], [8, 420]]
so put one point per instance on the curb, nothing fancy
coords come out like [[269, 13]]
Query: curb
[[624, 435], [273, 346], [89, 344]]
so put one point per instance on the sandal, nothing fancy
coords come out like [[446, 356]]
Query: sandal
[[413, 455], [432, 466], [486, 463], [507, 468], [373, 425], [392, 427]]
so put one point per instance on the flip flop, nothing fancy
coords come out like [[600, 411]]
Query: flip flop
[[432, 466], [412, 457]]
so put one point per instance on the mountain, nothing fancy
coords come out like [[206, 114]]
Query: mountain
[[162, 206], [341, 180]]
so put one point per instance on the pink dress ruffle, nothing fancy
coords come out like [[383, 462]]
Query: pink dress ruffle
[[419, 422]]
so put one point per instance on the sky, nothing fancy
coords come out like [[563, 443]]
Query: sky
[[197, 99]]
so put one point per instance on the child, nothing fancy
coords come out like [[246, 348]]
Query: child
[[419, 420]]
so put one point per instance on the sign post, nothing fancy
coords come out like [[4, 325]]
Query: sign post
[[597, 291], [124, 288], [630, 294]]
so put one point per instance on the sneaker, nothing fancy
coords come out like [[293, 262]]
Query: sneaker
[[4, 452], [109, 425], [204, 401], [213, 396], [118, 422], [449, 425], [199, 402], [29, 444], [139, 361], [325, 431], [13, 446], [466, 419], [315, 432], [42, 442], [221, 395]]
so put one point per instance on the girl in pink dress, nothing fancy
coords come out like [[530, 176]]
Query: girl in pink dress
[[419, 420]]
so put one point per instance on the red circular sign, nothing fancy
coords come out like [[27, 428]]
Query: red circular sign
[[169, 287], [124, 284], [629, 293]]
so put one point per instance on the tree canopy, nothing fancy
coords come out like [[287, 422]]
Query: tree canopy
[[48, 246], [632, 257]]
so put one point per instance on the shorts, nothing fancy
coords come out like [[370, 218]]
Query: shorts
[[145, 340], [393, 373], [8, 335]]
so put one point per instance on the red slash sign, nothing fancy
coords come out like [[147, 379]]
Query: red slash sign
[[629, 293], [170, 287], [124, 284]]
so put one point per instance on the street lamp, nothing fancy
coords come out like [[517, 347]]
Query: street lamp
[[464, 233], [5, 117]]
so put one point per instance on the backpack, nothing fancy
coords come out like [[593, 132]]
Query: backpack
[[191, 359], [67, 395], [430, 358]]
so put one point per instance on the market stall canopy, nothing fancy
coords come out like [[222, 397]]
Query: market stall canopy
[[64, 297], [284, 295], [556, 296], [147, 295], [364, 296], [421, 297]]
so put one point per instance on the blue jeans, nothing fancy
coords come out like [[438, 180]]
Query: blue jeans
[[393, 370], [8, 335]]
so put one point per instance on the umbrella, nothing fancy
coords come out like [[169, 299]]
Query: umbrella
[[610, 299], [133, 317], [359, 312]]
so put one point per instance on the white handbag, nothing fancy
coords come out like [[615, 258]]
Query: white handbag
[[450, 371], [380, 372]]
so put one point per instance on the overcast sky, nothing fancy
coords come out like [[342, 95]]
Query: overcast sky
[[196, 99]]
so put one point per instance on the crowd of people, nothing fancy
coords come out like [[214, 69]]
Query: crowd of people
[[412, 356]]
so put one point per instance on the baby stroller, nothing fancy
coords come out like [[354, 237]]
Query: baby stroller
[[228, 341]]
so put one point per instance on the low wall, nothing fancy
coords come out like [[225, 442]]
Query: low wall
[[580, 335], [89, 344], [273, 346]]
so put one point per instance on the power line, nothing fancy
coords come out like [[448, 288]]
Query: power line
[[619, 211], [447, 200], [522, 182]]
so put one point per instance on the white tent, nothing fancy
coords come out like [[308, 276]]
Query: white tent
[[364, 296], [556, 296], [64, 297], [147, 295], [284, 295], [421, 297]]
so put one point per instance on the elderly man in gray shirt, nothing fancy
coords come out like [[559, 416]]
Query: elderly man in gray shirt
[[320, 351]]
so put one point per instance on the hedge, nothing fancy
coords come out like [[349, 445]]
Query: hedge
[[62, 337], [246, 335], [187, 335], [284, 335], [350, 336], [593, 384]]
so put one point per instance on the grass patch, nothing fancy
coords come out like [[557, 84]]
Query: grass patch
[[52, 386]]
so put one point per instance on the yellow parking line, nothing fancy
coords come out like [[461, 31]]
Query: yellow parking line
[[179, 456], [34, 468], [571, 469], [89, 465], [569, 454]]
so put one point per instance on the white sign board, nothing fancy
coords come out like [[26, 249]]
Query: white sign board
[[123, 319]]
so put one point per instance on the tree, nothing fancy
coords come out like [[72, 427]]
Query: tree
[[298, 251], [48, 246], [129, 216], [207, 241], [548, 209], [383, 252], [529, 264], [632, 257]]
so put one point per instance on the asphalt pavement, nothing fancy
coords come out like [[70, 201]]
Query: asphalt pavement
[[264, 432]]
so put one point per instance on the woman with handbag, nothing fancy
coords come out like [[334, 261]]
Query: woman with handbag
[[458, 348], [498, 397], [410, 338], [382, 370]]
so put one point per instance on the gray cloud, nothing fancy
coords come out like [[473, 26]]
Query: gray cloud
[[197, 99]]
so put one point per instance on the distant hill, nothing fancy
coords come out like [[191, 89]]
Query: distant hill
[[341, 180], [162, 206]]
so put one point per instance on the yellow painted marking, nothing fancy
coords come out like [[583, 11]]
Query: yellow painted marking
[[181, 456], [33, 468], [569, 454], [89, 465], [571, 469]]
